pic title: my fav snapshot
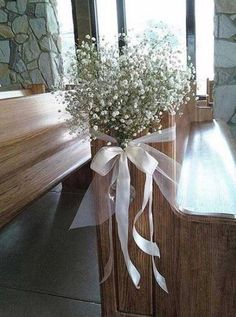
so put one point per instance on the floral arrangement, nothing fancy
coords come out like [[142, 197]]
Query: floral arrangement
[[122, 93], [117, 95]]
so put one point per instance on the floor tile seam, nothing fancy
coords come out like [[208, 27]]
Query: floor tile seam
[[48, 294]]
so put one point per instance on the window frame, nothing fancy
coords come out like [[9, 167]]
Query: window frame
[[122, 25]]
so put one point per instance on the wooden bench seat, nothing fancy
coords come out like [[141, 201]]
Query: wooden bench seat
[[36, 151]]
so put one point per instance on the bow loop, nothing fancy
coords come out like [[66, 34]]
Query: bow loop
[[141, 159], [105, 159]]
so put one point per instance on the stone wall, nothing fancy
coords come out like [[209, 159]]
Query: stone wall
[[225, 60], [29, 43]]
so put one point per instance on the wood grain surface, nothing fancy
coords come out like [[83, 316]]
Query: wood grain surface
[[198, 253], [36, 151]]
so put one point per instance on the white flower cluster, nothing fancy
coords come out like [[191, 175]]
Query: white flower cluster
[[122, 93]]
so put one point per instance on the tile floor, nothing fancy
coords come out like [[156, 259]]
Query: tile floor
[[233, 129], [45, 269]]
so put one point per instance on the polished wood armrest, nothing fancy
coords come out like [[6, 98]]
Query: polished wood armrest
[[208, 177]]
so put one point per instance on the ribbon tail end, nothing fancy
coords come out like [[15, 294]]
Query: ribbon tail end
[[162, 283], [107, 272], [136, 283], [164, 287]]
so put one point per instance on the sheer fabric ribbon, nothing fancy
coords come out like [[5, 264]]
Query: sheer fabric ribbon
[[158, 167]]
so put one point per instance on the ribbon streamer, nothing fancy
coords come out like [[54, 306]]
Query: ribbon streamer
[[158, 167]]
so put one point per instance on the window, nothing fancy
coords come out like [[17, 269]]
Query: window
[[141, 15], [192, 21], [138, 15], [66, 30], [107, 20]]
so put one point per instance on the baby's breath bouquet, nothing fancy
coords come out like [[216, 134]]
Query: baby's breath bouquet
[[124, 92]]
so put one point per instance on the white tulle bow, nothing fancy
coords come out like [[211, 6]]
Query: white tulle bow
[[156, 165]]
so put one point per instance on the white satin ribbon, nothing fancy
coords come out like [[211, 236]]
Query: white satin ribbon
[[147, 160]]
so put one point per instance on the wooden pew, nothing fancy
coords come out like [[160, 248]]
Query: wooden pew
[[204, 108], [198, 250], [199, 243], [36, 151], [30, 90], [79, 180]]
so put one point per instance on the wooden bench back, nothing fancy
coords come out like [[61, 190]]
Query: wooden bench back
[[27, 116]]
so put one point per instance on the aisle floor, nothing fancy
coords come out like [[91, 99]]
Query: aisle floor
[[47, 270]]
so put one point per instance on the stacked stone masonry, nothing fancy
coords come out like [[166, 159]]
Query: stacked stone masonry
[[225, 60], [29, 43]]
